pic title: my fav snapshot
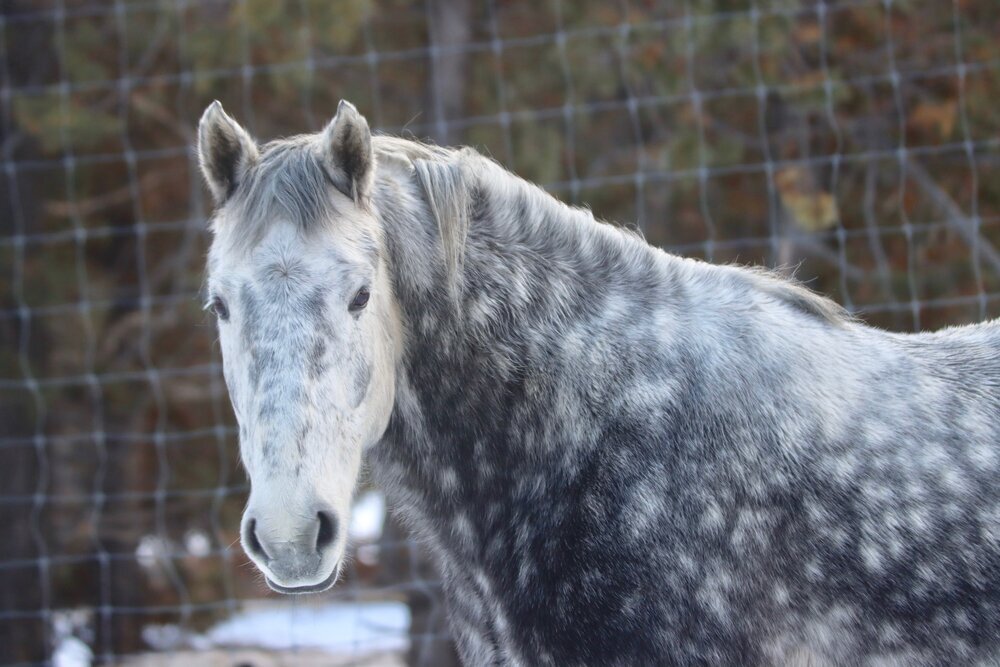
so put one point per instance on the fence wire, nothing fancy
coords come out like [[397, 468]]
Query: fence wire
[[855, 142]]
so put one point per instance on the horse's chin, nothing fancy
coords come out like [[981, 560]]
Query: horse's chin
[[324, 585]]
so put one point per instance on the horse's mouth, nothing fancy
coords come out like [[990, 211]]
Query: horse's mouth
[[312, 588]]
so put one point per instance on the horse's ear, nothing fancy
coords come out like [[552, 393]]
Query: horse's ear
[[225, 151], [347, 153]]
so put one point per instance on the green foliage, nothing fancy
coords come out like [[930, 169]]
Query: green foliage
[[58, 129]]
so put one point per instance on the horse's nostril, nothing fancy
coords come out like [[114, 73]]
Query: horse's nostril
[[251, 541], [327, 532]]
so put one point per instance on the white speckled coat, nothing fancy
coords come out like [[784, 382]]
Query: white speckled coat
[[618, 456]]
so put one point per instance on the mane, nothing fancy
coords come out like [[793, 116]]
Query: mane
[[451, 180], [448, 179], [792, 293], [289, 182]]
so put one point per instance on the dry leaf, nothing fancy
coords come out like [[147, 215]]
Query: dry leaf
[[810, 207], [940, 117]]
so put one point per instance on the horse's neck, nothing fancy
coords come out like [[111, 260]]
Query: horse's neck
[[527, 266], [542, 289]]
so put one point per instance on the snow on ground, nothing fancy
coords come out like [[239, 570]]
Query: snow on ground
[[337, 627], [68, 626], [72, 652], [285, 632], [258, 658], [270, 632]]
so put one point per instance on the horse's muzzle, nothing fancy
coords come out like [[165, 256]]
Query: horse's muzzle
[[324, 585], [294, 559]]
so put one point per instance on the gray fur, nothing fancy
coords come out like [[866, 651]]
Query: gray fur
[[444, 186], [225, 152], [624, 457], [619, 456], [346, 152], [288, 182]]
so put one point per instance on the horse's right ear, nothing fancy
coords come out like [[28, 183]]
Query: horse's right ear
[[346, 149], [225, 151]]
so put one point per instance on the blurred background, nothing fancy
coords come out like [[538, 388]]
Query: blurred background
[[856, 142]]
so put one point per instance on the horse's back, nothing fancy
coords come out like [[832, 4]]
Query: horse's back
[[838, 523], [883, 547]]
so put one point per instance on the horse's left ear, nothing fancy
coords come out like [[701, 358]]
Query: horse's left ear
[[347, 153]]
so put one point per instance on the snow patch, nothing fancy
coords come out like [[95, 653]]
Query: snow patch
[[72, 652], [338, 628]]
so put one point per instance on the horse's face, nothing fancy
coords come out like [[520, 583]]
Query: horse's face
[[305, 323]]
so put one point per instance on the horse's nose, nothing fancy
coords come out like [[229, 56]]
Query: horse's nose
[[274, 542], [326, 532], [252, 543]]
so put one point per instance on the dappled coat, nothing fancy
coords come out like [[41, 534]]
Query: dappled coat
[[624, 457], [620, 456]]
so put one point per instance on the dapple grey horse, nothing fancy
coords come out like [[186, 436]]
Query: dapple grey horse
[[617, 456]]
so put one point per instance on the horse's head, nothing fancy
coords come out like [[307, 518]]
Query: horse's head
[[308, 329]]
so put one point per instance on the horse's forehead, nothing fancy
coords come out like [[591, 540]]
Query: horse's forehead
[[280, 243], [281, 299], [293, 260]]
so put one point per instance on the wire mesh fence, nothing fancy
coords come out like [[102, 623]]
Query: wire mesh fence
[[855, 141]]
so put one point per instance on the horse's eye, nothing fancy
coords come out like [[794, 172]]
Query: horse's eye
[[360, 300], [218, 306]]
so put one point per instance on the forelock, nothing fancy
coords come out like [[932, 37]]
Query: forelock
[[287, 183]]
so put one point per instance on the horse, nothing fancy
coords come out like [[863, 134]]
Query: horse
[[615, 455]]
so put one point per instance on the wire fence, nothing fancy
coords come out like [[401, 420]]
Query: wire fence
[[854, 141]]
